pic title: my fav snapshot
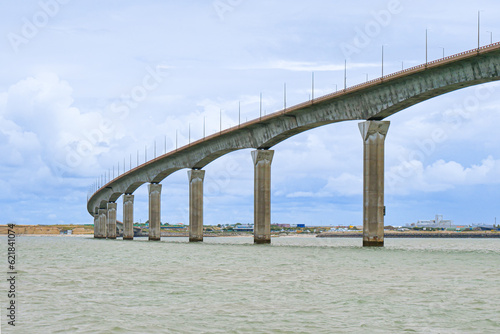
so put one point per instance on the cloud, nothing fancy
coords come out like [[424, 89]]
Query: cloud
[[413, 176], [346, 185], [40, 127], [302, 194], [304, 66]]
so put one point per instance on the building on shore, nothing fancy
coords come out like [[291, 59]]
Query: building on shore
[[438, 222], [484, 227], [243, 228]]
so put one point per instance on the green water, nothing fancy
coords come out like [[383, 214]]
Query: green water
[[229, 285]]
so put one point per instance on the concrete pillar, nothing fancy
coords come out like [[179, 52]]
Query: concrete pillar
[[102, 223], [96, 225], [154, 211], [128, 217], [196, 204], [262, 195], [111, 221], [373, 133]]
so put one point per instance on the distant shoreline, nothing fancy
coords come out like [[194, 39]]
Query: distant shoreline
[[411, 234], [57, 230], [460, 235]]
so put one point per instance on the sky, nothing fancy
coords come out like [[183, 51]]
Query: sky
[[89, 85]]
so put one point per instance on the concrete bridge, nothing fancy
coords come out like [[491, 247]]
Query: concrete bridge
[[371, 102]]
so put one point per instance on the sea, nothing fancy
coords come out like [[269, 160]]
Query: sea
[[229, 285]]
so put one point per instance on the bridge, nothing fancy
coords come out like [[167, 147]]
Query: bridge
[[370, 102]]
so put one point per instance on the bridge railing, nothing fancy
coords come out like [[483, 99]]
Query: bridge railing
[[407, 71]]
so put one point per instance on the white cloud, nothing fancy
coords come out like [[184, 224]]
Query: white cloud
[[302, 194], [346, 185], [412, 176], [305, 66], [40, 130]]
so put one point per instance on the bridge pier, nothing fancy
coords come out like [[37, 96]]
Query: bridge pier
[[128, 217], [262, 160], [196, 178], [154, 211], [96, 225], [112, 220], [101, 223], [373, 133]]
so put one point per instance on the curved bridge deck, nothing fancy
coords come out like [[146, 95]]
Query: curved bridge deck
[[373, 101]]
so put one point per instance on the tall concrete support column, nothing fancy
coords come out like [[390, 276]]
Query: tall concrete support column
[[96, 225], [196, 178], [112, 220], [262, 195], [101, 223], [154, 211], [373, 133], [128, 217]]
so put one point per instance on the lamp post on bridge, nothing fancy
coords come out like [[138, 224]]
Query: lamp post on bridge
[[491, 37], [312, 90], [284, 96], [260, 117], [426, 47], [479, 29], [345, 75], [382, 61]]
